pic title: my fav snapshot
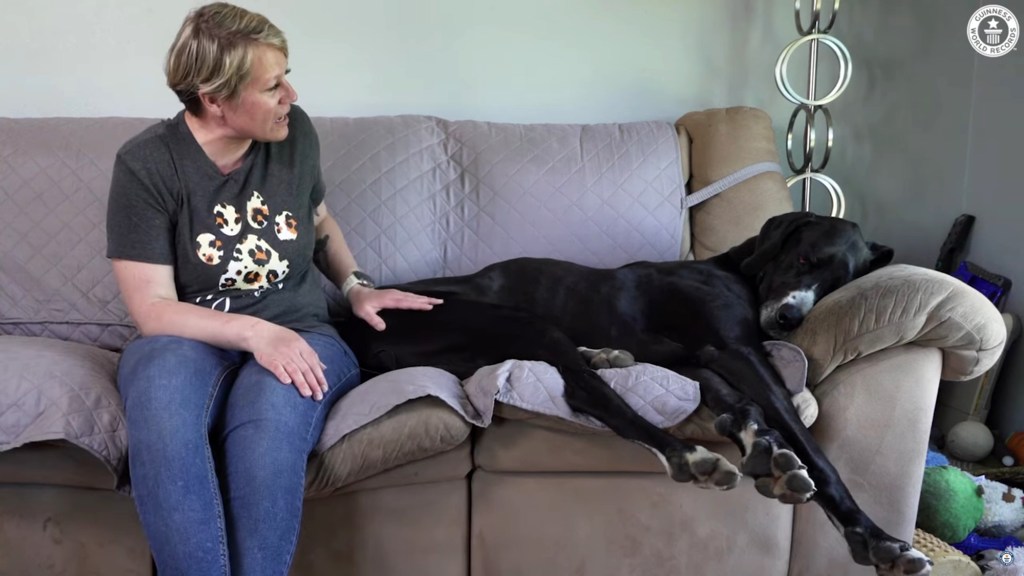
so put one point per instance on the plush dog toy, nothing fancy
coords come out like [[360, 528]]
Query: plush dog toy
[[1004, 508]]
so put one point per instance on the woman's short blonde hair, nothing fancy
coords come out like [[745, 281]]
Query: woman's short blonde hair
[[211, 53]]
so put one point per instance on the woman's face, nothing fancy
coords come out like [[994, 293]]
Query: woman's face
[[261, 110]]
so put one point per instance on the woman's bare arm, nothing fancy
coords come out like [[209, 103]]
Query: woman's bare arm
[[334, 258]]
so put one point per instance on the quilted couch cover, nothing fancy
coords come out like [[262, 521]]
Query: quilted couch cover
[[417, 196]]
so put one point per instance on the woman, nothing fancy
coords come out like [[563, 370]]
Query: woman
[[216, 223]]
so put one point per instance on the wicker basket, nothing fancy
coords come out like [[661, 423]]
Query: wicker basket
[[1011, 476], [948, 560]]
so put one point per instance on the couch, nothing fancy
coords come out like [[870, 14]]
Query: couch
[[419, 490]]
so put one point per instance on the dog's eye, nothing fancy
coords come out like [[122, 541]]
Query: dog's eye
[[806, 262]]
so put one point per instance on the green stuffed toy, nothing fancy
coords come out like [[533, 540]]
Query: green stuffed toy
[[951, 503]]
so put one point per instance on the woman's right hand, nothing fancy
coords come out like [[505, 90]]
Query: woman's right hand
[[149, 293], [289, 357]]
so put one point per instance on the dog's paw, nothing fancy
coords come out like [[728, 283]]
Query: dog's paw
[[909, 563], [606, 358], [704, 468], [778, 473], [889, 556], [789, 482]]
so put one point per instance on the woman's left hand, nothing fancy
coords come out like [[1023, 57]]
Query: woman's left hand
[[367, 302]]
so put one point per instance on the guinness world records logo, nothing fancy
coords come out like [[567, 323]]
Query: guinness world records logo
[[993, 31]]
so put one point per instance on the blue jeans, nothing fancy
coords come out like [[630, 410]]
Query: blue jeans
[[217, 450]]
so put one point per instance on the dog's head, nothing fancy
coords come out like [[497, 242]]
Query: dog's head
[[798, 258]]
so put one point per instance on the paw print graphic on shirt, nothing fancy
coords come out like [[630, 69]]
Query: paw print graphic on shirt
[[254, 264], [210, 248], [284, 226], [228, 220], [257, 211]]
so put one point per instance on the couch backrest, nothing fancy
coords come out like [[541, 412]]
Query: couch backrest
[[54, 277], [416, 196]]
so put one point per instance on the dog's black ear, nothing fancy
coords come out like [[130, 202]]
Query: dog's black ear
[[769, 241], [880, 255]]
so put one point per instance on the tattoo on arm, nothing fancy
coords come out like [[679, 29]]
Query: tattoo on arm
[[320, 254]]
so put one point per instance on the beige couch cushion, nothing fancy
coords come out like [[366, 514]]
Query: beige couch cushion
[[552, 524], [55, 463], [538, 446], [49, 530], [722, 141], [412, 530], [902, 304], [410, 432]]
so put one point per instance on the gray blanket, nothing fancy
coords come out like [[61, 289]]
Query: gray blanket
[[661, 396]]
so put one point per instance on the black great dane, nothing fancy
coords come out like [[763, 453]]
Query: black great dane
[[705, 320]]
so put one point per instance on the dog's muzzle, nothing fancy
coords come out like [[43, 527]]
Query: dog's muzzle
[[782, 316]]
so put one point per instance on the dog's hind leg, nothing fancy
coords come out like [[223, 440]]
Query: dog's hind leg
[[777, 471], [750, 373], [586, 392]]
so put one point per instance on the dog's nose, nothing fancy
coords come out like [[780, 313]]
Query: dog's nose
[[789, 317]]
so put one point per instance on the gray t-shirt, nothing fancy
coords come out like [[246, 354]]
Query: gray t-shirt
[[240, 242]]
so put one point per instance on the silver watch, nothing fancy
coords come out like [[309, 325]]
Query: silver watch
[[356, 278]]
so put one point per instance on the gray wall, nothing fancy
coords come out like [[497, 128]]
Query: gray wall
[[522, 61], [926, 130], [993, 191]]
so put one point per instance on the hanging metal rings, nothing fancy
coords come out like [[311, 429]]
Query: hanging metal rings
[[816, 19], [838, 200], [806, 171], [810, 135], [845, 64]]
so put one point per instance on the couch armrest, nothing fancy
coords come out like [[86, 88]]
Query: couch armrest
[[876, 414], [903, 304]]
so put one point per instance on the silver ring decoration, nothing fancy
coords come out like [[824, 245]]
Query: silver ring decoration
[[817, 32], [816, 18], [810, 135], [845, 70], [836, 193]]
